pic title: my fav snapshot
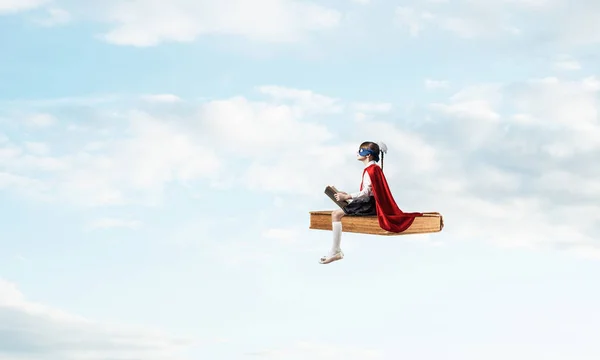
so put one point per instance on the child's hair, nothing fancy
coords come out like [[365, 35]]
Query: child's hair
[[374, 147]]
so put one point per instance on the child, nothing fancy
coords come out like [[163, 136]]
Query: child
[[373, 198]]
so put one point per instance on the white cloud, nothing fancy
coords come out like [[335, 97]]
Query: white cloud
[[22, 184], [157, 152], [111, 223], [577, 22], [153, 152], [435, 84], [371, 107], [13, 6], [475, 103], [591, 83], [305, 100], [413, 19], [475, 109], [473, 21], [573, 114], [360, 117], [284, 235], [138, 167], [164, 98], [576, 185], [133, 167], [37, 148], [369, 110], [259, 128], [150, 22], [65, 101], [417, 155], [532, 4], [314, 351], [567, 63], [54, 17], [494, 155], [32, 331], [545, 106], [534, 168], [305, 171], [40, 120], [558, 21]]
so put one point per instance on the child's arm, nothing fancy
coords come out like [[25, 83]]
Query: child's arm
[[366, 191], [336, 196]]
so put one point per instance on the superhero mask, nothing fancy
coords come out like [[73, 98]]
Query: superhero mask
[[365, 152]]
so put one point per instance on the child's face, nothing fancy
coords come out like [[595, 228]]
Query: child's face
[[360, 157]]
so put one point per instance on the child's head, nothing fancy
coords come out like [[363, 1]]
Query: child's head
[[368, 151]]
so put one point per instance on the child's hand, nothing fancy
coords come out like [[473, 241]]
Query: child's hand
[[342, 196]]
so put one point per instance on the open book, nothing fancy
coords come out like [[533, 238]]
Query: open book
[[331, 191]]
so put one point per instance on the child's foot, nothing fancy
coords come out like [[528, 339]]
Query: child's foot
[[332, 257]]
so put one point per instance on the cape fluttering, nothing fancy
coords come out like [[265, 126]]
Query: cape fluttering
[[390, 217]]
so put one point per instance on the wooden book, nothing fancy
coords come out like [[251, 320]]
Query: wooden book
[[430, 222], [331, 191]]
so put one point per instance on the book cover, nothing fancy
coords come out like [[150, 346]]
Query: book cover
[[330, 191]]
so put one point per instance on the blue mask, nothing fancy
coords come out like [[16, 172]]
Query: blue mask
[[365, 152]]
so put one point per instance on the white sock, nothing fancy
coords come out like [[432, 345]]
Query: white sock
[[337, 236]]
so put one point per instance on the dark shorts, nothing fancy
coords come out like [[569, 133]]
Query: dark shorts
[[361, 207]]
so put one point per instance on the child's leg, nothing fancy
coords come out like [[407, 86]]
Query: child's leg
[[336, 224], [336, 251]]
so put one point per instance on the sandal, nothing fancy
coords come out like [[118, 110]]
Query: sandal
[[331, 258]]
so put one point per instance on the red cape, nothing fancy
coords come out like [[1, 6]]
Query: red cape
[[390, 217]]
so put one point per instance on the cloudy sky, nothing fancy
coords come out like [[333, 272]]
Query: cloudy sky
[[158, 161]]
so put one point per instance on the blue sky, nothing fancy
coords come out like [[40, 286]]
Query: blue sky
[[158, 162]]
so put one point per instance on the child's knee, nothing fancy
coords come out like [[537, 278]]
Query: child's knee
[[337, 215]]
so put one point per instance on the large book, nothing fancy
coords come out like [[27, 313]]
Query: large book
[[430, 222], [331, 191]]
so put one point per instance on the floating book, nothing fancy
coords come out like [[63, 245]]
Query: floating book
[[331, 191], [430, 222]]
